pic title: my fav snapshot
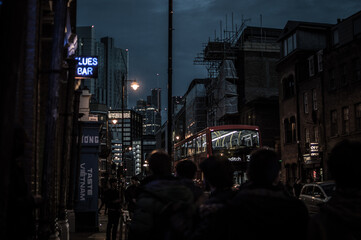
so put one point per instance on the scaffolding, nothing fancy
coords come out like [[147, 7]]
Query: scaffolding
[[219, 58], [223, 48]]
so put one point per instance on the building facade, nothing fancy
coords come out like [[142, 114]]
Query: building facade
[[41, 100], [195, 112], [124, 132], [151, 117], [319, 93], [342, 83], [301, 97], [115, 67], [155, 99], [243, 86]]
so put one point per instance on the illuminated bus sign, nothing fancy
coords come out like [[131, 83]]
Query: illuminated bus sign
[[87, 67]]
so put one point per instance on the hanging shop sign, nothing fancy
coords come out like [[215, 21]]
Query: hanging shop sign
[[87, 197], [314, 149], [87, 67]]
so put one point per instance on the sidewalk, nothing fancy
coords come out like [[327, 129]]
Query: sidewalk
[[101, 234]]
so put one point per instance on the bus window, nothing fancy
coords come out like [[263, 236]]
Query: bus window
[[198, 145], [234, 142], [176, 157], [189, 149], [204, 143], [178, 153], [255, 140], [194, 146], [183, 151]]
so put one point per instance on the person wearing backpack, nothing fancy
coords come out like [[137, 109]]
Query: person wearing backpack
[[185, 171], [131, 194], [340, 217], [263, 209], [113, 201], [211, 223], [164, 207]]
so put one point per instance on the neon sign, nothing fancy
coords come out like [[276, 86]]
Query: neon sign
[[87, 67]]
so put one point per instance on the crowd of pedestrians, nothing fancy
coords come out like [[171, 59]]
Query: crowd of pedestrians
[[172, 207]]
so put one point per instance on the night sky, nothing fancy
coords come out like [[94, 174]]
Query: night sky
[[142, 27]]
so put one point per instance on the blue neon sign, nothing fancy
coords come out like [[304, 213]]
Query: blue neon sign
[[87, 67]]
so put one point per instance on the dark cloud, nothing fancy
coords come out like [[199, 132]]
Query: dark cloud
[[142, 27]]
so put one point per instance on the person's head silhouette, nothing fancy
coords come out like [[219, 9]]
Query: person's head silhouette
[[345, 163], [186, 169], [218, 172], [264, 168], [160, 163]]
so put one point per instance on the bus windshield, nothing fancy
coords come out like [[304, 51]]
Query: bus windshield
[[236, 145], [234, 139]]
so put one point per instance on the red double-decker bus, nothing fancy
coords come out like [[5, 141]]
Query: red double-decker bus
[[234, 142]]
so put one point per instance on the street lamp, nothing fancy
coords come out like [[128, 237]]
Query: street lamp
[[134, 85]]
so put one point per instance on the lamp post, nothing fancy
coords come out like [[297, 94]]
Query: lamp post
[[170, 71], [135, 86]]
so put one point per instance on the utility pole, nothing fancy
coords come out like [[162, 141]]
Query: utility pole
[[170, 70], [123, 148]]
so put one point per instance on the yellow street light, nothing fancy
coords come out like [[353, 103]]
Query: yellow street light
[[134, 85]]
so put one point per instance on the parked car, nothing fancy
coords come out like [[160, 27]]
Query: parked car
[[314, 195]]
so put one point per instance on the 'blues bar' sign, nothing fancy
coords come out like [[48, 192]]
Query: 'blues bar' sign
[[87, 67]]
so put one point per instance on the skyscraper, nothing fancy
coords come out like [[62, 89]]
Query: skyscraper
[[155, 99], [115, 65], [151, 117]]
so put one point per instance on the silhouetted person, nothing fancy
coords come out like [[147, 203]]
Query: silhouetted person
[[102, 190], [164, 206], [297, 186], [340, 217], [113, 201], [131, 194], [21, 202], [213, 215], [263, 209], [185, 171]]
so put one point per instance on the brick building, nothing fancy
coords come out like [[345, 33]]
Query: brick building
[[342, 82], [319, 93]]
